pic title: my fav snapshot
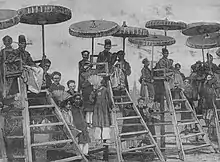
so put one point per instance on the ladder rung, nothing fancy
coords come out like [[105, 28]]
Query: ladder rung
[[123, 103], [139, 148], [118, 97], [187, 123], [19, 157], [179, 100], [41, 106], [16, 117], [165, 135], [50, 143], [129, 117], [69, 159], [133, 133], [46, 124], [183, 111], [192, 135], [133, 138], [160, 112], [217, 99], [42, 91], [129, 125], [14, 137], [197, 147], [162, 123]]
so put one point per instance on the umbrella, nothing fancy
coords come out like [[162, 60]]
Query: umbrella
[[165, 25], [126, 31], [206, 41], [93, 29], [200, 28], [8, 18], [44, 15], [153, 40]]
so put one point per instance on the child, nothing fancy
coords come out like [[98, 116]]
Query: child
[[72, 113], [101, 115], [146, 80], [56, 89]]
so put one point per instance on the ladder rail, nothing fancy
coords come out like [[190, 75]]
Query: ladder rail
[[217, 125], [156, 149], [115, 124], [198, 122], [174, 121]]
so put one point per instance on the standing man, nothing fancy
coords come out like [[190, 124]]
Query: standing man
[[46, 66], [106, 56]]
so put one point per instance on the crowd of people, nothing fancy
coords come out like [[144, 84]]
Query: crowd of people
[[90, 104]]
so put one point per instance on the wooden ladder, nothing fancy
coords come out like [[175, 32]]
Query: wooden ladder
[[124, 100], [28, 145], [177, 124], [217, 121]]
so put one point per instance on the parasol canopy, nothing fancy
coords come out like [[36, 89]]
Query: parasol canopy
[[200, 28], [165, 25], [153, 40], [93, 28], [206, 41], [44, 14], [127, 31], [8, 18]]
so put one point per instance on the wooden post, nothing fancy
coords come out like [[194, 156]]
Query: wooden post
[[26, 120], [3, 155], [162, 128]]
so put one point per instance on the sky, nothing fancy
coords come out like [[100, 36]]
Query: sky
[[64, 50]]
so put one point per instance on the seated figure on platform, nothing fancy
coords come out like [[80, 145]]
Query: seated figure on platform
[[32, 74], [47, 76]]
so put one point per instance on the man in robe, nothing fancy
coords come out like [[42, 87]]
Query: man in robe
[[45, 64], [106, 56], [209, 65], [164, 62], [177, 68], [124, 66]]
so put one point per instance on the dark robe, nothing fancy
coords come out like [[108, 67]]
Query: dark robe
[[102, 106], [126, 69], [25, 56], [108, 57], [82, 69], [48, 79], [80, 123]]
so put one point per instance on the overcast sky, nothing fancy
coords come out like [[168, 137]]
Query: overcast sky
[[64, 50]]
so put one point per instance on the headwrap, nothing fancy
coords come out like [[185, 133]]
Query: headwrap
[[21, 39], [108, 42], [70, 81], [145, 60], [56, 73], [85, 51], [121, 52], [164, 50], [6, 37]]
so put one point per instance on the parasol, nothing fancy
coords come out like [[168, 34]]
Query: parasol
[[93, 29], [200, 28], [153, 40], [44, 15], [206, 41], [8, 18], [126, 31], [165, 25]]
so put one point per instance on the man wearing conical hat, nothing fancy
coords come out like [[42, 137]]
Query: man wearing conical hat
[[106, 56]]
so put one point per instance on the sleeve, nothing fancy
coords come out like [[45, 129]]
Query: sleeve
[[161, 64], [30, 61], [127, 69]]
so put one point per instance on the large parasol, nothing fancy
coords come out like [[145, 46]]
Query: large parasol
[[153, 40], [200, 28], [93, 29], [8, 18], [206, 41], [44, 15], [165, 25], [126, 31]]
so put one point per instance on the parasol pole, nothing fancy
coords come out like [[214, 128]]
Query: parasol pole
[[165, 33], [124, 44], [43, 41], [203, 56], [152, 58], [92, 50]]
